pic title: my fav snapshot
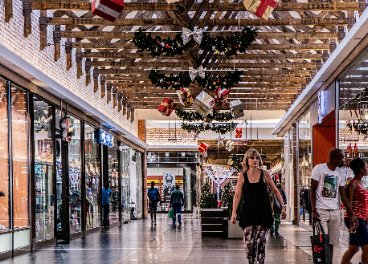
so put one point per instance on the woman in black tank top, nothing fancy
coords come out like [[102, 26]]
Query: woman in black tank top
[[256, 217]]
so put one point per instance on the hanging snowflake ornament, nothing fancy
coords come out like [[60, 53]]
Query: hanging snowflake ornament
[[229, 145], [220, 140]]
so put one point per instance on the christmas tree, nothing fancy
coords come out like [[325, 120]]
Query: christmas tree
[[228, 195], [206, 199]]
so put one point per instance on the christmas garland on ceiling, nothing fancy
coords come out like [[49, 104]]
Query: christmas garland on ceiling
[[194, 116], [181, 80], [219, 45], [217, 128]]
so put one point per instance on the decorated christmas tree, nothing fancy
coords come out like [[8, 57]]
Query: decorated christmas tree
[[206, 199], [228, 195]]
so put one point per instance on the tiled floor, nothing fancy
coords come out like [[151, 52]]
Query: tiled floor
[[138, 242]]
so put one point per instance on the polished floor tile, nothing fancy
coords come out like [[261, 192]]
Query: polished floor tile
[[139, 242]]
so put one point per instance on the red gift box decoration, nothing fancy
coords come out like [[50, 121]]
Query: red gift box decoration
[[203, 147], [221, 96], [166, 107], [108, 9], [261, 8], [355, 148], [238, 132]]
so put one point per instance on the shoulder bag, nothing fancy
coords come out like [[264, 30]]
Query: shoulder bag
[[275, 203]]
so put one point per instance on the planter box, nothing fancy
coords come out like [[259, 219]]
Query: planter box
[[234, 230], [213, 222]]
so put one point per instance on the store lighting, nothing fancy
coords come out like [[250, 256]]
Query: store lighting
[[167, 154]]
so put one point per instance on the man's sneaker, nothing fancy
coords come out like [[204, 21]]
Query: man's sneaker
[[271, 232], [277, 233]]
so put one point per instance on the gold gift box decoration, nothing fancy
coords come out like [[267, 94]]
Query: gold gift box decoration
[[261, 8]]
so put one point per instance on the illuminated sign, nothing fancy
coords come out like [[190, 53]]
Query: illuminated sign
[[104, 138]]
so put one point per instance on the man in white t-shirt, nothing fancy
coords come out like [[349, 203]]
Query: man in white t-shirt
[[328, 181]]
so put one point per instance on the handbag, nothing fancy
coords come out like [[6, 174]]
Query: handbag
[[275, 203], [320, 245], [171, 213]]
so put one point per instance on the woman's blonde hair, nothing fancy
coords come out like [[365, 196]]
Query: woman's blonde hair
[[251, 153]]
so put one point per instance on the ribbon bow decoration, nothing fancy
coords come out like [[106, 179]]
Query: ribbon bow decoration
[[193, 73], [197, 34]]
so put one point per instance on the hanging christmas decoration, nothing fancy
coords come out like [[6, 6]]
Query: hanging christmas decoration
[[220, 140], [219, 45], [203, 147], [182, 80], [193, 73], [185, 97], [217, 128], [194, 116], [349, 148], [196, 33], [166, 107], [218, 175], [262, 9], [238, 132], [229, 145], [355, 148], [108, 9], [221, 96], [237, 108], [237, 162], [203, 103], [173, 1]]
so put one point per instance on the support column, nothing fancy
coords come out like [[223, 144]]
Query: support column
[[142, 129], [295, 171], [144, 174]]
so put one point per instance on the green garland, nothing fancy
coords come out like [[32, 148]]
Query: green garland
[[181, 80], [217, 128], [218, 45], [194, 116]]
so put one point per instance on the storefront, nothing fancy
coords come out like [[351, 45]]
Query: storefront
[[168, 169], [53, 165]]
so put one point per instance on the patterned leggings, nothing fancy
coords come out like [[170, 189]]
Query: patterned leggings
[[255, 243]]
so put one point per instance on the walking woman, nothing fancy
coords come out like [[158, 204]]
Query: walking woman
[[256, 217], [357, 195]]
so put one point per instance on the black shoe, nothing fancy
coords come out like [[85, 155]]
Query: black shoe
[[277, 233], [271, 232]]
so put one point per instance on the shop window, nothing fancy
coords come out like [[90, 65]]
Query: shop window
[[113, 179], [44, 156], [125, 183], [93, 177], [137, 158], [75, 185], [4, 162], [59, 172]]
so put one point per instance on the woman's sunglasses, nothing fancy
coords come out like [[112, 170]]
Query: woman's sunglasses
[[255, 157]]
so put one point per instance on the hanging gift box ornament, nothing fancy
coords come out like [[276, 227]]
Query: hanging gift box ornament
[[203, 103], [237, 108], [238, 132], [229, 145], [108, 9], [355, 148], [221, 96], [173, 1], [261, 8], [203, 147], [166, 107], [349, 148], [185, 96]]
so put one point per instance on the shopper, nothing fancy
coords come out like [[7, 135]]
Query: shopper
[[106, 193], [357, 195], [176, 201], [153, 196], [327, 183], [256, 217], [277, 215]]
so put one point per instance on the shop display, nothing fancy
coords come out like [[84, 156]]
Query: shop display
[[113, 178], [166, 107], [108, 9], [203, 103], [237, 108]]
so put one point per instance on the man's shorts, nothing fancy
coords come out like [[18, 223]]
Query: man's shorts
[[331, 222], [153, 206], [360, 238]]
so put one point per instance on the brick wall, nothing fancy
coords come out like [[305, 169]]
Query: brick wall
[[159, 136], [142, 130], [11, 36]]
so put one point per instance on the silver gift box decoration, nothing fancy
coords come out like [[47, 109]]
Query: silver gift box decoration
[[203, 104], [237, 108]]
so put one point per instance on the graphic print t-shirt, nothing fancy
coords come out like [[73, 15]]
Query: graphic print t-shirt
[[327, 196]]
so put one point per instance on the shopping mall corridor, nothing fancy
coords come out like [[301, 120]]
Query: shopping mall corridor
[[138, 242]]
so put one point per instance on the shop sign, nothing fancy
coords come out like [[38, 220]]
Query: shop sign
[[104, 138], [322, 101]]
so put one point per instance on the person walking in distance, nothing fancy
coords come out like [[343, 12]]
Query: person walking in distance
[[358, 198], [327, 183], [176, 201], [106, 193], [256, 217], [153, 196], [277, 215]]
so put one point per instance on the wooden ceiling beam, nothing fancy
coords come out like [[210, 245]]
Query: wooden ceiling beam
[[184, 65], [233, 91], [117, 55], [261, 35], [211, 22], [282, 6], [131, 46]]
